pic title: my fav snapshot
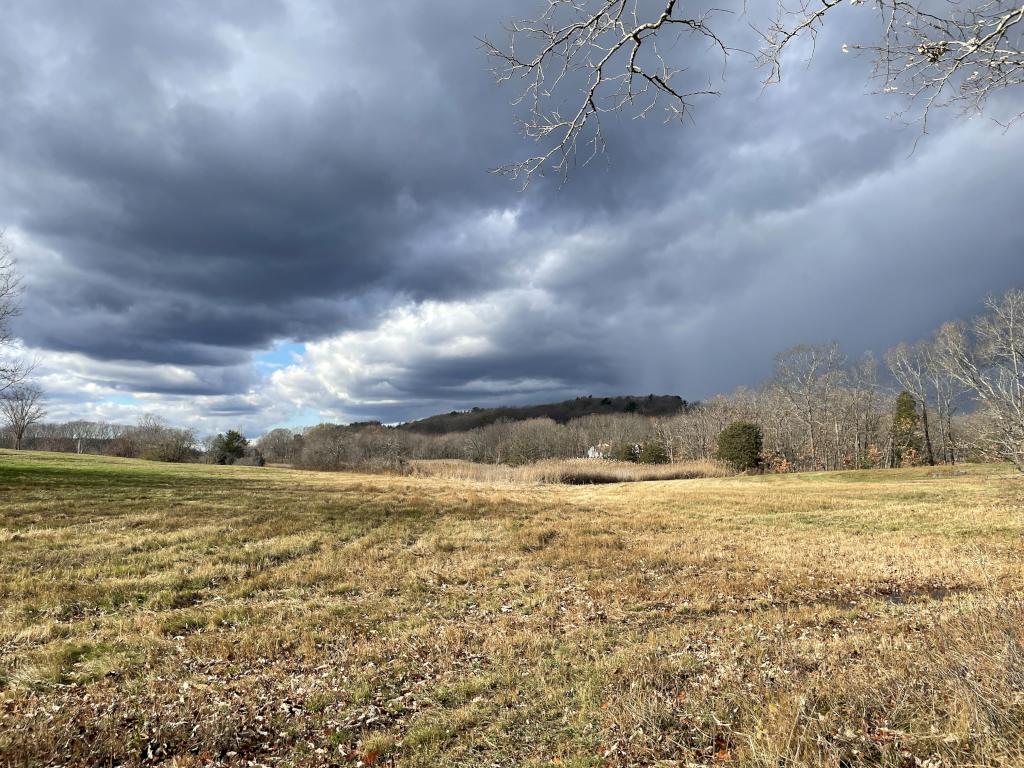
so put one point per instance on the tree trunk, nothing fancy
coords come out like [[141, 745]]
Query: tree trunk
[[927, 435], [889, 460], [950, 440], [810, 440], [943, 444], [839, 448]]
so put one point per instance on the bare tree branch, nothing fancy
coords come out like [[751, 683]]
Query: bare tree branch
[[13, 369], [612, 54], [987, 357], [21, 407], [938, 53], [609, 56]]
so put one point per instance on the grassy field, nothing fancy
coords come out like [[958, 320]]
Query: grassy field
[[189, 615]]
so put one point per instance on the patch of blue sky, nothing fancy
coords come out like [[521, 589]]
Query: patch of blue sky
[[280, 356], [306, 417], [122, 399]]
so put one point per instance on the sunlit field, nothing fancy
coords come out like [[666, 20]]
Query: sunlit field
[[153, 614]]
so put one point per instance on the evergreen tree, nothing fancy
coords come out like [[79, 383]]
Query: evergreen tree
[[740, 445], [653, 452], [906, 434], [627, 452], [229, 447]]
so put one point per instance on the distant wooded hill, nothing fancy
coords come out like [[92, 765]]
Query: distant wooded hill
[[463, 421]]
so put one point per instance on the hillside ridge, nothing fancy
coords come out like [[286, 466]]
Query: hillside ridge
[[562, 412]]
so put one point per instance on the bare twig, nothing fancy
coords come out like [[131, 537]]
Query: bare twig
[[936, 54], [608, 56], [13, 369], [613, 54]]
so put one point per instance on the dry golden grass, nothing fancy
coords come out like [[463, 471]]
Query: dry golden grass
[[160, 615], [566, 471]]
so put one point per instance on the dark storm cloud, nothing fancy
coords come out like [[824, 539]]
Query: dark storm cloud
[[197, 180], [196, 211]]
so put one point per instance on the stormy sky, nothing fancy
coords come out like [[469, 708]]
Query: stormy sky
[[252, 213]]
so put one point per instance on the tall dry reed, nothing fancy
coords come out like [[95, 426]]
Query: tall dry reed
[[567, 471]]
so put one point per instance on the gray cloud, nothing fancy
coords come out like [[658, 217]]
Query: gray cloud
[[193, 182]]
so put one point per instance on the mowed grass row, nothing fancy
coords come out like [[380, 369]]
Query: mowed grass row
[[188, 615]]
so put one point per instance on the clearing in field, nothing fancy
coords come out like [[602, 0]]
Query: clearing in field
[[189, 615]]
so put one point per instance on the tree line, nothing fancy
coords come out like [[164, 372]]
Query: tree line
[[956, 395], [151, 438]]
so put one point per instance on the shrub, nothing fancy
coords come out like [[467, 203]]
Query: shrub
[[739, 444], [175, 447], [253, 458], [653, 452], [123, 446], [627, 452]]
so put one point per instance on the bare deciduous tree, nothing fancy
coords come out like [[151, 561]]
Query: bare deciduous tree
[[157, 440], [948, 392], [22, 406], [988, 358], [865, 401], [808, 376], [280, 446], [628, 56], [13, 369]]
